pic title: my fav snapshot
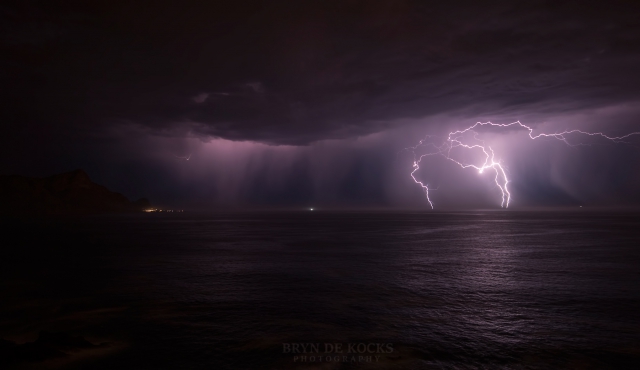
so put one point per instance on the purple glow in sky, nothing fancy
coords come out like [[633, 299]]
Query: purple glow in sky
[[248, 103]]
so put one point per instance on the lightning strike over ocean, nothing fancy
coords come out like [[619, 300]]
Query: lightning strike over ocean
[[468, 139]]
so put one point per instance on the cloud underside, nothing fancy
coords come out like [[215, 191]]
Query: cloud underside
[[295, 73]]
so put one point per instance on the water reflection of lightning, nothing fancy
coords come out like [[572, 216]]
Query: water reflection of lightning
[[457, 139]]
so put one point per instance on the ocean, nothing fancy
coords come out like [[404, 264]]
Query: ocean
[[323, 290]]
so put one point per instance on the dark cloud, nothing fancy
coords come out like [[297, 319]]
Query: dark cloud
[[296, 72], [123, 89]]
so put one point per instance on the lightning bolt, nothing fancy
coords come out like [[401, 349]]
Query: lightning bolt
[[185, 158], [416, 167], [459, 139]]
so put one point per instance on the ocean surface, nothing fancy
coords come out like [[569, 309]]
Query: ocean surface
[[282, 290]]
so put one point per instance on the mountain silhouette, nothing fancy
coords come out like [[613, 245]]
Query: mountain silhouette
[[66, 193]]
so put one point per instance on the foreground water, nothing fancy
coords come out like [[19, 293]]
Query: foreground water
[[511, 290]]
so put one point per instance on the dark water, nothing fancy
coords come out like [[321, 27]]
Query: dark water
[[447, 290]]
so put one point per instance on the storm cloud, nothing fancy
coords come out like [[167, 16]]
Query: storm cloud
[[122, 88]]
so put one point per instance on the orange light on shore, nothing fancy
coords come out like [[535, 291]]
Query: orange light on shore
[[150, 210]]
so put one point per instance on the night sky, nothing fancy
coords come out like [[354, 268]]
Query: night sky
[[311, 103]]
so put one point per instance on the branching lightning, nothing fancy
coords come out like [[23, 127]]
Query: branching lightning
[[460, 139]]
